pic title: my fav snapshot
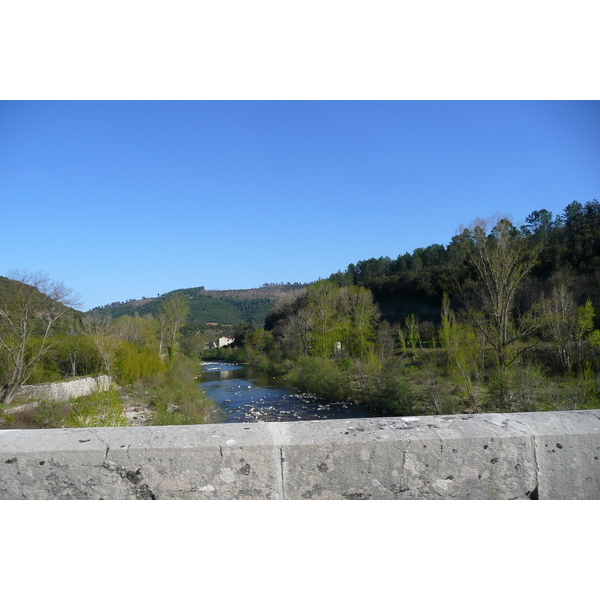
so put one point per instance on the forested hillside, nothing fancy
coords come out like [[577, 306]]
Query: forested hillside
[[503, 318], [414, 283], [228, 307]]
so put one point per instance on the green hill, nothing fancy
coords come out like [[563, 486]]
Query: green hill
[[224, 307]]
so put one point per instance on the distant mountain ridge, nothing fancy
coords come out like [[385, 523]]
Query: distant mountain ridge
[[223, 307]]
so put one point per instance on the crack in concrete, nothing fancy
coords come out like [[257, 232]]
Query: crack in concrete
[[282, 475], [142, 490], [534, 493], [95, 433], [275, 429]]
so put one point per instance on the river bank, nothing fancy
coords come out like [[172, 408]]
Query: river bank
[[246, 395]]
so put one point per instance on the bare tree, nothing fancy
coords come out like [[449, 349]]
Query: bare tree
[[30, 307], [561, 322], [301, 324], [98, 328], [501, 261], [385, 340], [294, 322]]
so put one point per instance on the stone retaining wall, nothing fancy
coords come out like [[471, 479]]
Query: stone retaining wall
[[546, 455], [64, 390]]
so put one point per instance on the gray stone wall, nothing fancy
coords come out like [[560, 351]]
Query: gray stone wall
[[547, 455], [64, 390]]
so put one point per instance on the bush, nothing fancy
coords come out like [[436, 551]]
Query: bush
[[394, 391], [516, 389], [322, 377], [134, 363], [383, 385], [42, 414], [49, 414], [179, 399], [100, 409]]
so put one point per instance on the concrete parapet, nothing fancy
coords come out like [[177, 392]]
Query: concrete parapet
[[546, 455]]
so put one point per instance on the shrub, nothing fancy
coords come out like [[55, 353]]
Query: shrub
[[100, 409], [134, 363], [322, 377], [384, 385], [526, 388], [179, 399], [49, 414], [42, 414]]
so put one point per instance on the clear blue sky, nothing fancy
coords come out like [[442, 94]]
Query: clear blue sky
[[128, 199]]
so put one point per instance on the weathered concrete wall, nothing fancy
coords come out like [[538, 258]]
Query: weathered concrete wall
[[64, 390], [549, 455]]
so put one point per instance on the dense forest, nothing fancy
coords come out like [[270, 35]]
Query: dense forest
[[567, 246], [502, 318]]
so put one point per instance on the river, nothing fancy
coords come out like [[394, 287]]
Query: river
[[245, 395]]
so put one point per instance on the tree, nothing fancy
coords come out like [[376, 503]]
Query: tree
[[301, 324], [462, 349], [585, 325], [323, 303], [138, 330], [413, 337], [357, 303], [171, 316], [539, 224], [501, 260], [31, 306], [561, 323], [292, 322], [98, 328], [385, 340]]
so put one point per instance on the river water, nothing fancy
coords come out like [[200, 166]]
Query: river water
[[245, 395]]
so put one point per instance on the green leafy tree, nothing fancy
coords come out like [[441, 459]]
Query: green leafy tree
[[585, 326], [402, 342], [360, 316], [134, 362], [462, 347], [74, 353], [323, 303], [171, 316], [136, 329], [413, 338]]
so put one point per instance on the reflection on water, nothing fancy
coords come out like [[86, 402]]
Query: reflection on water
[[223, 370], [227, 375], [250, 396]]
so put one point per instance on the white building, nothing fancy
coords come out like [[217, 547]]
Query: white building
[[225, 341], [220, 343]]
